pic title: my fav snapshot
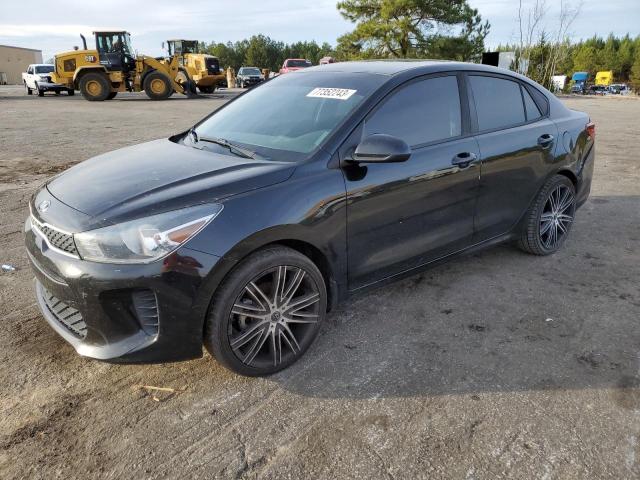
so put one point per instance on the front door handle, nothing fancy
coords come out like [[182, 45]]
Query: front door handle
[[463, 160], [545, 140]]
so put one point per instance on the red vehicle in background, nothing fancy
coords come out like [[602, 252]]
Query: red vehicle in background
[[293, 64]]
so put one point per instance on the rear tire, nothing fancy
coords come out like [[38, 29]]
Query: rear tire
[[549, 219], [95, 86], [157, 86], [266, 313], [112, 95]]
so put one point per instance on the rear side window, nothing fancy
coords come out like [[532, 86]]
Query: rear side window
[[422, 112], [533, 112], [498, 102]]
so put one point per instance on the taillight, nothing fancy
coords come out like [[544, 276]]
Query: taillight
[[591, 130]]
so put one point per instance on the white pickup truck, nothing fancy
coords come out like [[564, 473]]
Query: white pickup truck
[[38, 78]]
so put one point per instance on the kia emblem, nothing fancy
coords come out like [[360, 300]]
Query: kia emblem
[[44, 206]]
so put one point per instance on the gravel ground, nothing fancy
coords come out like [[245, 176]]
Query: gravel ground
[[496, 365]]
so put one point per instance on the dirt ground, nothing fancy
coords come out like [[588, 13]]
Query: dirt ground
[[496, 365]]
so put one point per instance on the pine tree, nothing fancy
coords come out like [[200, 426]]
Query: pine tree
[[408, 28]]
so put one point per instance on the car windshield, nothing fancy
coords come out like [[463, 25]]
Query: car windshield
[[298, 63], [44, 69], [290, 115], [249, 71]]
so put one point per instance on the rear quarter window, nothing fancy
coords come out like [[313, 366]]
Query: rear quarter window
[[533, 112], [498, 102]]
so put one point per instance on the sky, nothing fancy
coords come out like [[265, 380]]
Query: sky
[[151, 22]]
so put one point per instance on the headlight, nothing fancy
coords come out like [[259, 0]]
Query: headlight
[[147, 239]]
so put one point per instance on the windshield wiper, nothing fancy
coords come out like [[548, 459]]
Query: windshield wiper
[[233, 148]]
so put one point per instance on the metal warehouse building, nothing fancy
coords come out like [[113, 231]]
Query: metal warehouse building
[[14, 61]]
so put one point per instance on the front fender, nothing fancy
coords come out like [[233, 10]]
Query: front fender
[[307, 211], [83, 70]]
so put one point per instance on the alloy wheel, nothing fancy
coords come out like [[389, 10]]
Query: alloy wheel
[[557, 216], [274, 318]]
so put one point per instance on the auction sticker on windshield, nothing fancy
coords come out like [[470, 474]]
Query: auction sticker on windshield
[[337, 93]]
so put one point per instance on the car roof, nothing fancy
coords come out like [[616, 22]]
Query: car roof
[[394, 67]]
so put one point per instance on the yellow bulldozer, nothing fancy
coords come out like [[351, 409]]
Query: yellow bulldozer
[[114, 67], [202, 69]]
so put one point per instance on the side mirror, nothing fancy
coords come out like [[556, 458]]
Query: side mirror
[[382, 148]]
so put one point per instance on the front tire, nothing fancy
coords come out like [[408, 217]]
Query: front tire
[[71, 92], [40, 92], [549, 219], [209, 89], [267, 312], [157, 86], [112, 95], [29, 91], [95, 86]]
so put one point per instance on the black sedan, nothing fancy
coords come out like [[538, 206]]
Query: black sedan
[[241, 233]]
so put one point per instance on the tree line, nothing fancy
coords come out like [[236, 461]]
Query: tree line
[[618, 54], [264, 52]]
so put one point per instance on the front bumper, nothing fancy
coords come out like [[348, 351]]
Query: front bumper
[[123, 313], [51, 87], [251, 81]]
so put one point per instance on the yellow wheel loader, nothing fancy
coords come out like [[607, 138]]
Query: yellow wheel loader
[[202, 69], [114, 67]]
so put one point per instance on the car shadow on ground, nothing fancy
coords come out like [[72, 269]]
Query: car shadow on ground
[[499, 320]]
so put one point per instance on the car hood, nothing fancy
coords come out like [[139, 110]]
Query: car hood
[[159, 176]]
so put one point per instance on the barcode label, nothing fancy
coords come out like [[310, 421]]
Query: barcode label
[[336, 93]]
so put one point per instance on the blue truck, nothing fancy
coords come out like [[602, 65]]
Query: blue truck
[[580, 82]]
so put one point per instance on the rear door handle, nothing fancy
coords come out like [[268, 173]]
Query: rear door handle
[[545, 140], [463, 160]]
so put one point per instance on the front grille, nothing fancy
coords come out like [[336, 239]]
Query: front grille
[[146, 307], [60, 240], [67, 316]]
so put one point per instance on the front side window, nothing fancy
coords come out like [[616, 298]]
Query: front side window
[[422, 112], [290, 115], [498, 102]]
